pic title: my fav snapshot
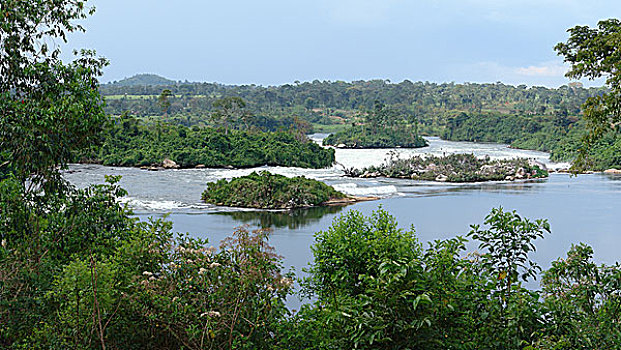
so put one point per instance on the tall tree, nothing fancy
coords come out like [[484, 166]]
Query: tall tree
[[48, 109], [163, 100], [228, 110], [595, 53]]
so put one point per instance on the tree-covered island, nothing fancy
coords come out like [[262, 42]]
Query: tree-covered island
[[265, 190], [384, 127], [454, 168], [128, 141]]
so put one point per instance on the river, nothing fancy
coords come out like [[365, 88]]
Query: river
[[582, 208]]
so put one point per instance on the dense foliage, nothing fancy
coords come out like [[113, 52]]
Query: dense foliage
[[560, 135], [326, 102], [529, 132], [47, 107], [83, 274], [593, 53], [453, 168], [377, 287], [385, 127], [530, 118], [270, 191], [128, 142]]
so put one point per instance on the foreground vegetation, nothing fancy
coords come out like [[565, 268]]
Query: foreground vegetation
[[129, 142], [270, 191], [138, 285], [454, 168]]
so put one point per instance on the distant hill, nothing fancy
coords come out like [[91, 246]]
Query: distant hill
[[143, 79]]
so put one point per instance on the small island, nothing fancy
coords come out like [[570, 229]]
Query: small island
[[265, 190], [454, 168], [384, 127]]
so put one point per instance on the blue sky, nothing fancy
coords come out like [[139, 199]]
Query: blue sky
[[272, 42]]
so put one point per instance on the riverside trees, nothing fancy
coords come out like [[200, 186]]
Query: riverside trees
[[595, 53]]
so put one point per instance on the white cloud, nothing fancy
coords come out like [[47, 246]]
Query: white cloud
[[549, 73], [547, 69]]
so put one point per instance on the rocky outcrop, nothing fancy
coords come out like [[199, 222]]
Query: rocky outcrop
[[442, 178], [533, 163], [169, 164], [612, 171], [454, 168]]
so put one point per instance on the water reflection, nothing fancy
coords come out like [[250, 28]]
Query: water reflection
[[613, 177], [292, 219], [420, 189]]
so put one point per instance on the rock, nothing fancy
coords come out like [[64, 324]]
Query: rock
[[144, 167], [534, 163], [509, 178], [520, 173], [169, 164], [432, 167], [200, 166], [612, 171], [153, 168], [340, 145], [442, 178], [230, 167], [368, 174], [488, 169]]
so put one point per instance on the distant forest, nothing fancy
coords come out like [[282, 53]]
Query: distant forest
[[535, 117], [333, 99]]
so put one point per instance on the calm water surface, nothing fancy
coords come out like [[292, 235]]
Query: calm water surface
[[580, 209]]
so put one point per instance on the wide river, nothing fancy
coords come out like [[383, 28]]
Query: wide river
[[585, 208]]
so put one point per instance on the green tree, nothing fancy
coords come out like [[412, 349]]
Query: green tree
[[49, 108], [164, 101], [507, 244], [595, 53], [228, 110]]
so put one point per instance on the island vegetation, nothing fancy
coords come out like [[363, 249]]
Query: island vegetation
[[127, 141], [454, 168], [265, 190], [384, 127]]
